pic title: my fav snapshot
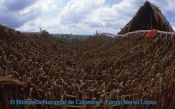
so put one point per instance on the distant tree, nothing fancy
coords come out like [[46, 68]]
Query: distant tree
[[44, 32]]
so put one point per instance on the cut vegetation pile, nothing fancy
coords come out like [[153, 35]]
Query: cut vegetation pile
[[37, 66], [130, 68]]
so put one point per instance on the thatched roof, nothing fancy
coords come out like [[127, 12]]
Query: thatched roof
[[10, 81], [148, 17]]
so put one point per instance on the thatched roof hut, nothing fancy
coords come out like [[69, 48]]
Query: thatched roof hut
[[9, 81], [148, 17], [11, 89]]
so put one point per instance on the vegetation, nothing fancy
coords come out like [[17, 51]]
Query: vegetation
[[69, 38]]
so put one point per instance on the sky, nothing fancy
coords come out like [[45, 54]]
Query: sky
[[75, 16]]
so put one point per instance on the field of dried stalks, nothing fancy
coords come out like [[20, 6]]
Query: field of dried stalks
[[36, 66]]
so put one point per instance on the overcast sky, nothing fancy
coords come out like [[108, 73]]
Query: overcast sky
[[75, 16]]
